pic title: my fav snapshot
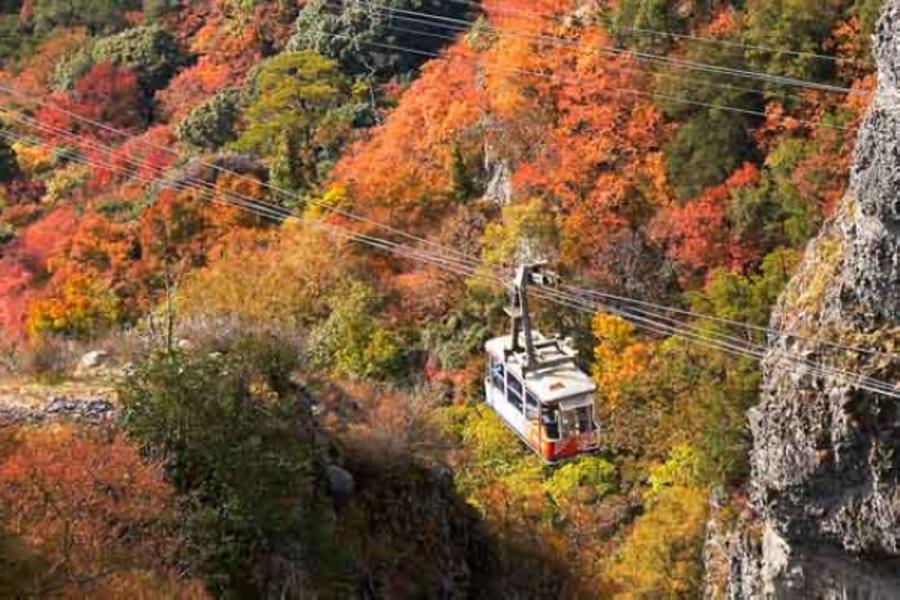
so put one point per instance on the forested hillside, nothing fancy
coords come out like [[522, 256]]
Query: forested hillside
[[284, 222]]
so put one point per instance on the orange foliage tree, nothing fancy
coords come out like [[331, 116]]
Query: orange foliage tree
[[402, 171], [93, 510], [107, 272], [584, 137], [226, 51], [83, 292], [569, 122]]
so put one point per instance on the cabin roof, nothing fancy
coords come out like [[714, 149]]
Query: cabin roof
[[548, 385]]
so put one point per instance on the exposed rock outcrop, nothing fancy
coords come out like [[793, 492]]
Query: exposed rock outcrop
[[92, 363], [412, 534], [498, 188], [825, 461], [89, 410]]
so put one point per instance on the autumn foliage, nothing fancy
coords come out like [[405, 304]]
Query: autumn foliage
[[86, 503], [697, 233], [205, 161], [403, 170], [105, 97]]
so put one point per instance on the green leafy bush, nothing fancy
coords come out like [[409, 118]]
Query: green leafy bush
[[16, 40], [7, 233], [20, 567], [9, 165], [99, 16], [657, 15], [453, 340], [590, 475], [705, 151], [151, 52], [65, 180], [352, 341], [210, 125], [155, 9], [292, 92], [800, 26], [297, 117], [683, 467], [237, 449], [774, 212], [354, 31], [485, 434]]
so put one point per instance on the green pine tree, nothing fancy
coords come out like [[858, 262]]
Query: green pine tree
[[286, 167]]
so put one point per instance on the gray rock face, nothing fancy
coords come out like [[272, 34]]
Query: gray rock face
[[826, 452], [340, 484], [733, 563], [826, 455], [60, 408], [831, 575], [499, 188]]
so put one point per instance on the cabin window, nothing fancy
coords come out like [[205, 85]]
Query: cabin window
[[497, 372], [577, 421], [514, 391], [531, 406], [585, 419], [569, 423], [550, 420], [515, 385]]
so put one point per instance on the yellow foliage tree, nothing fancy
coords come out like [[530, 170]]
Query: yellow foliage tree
[[284, 281], [620, 357], [33, 160], [526, 232], [682, 468], [661, 556], [621, 364], [85, 306]]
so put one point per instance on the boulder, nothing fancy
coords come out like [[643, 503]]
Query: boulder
[[92, 362], [340, 484]]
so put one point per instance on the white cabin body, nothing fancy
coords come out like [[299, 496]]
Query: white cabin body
[[550, 408]]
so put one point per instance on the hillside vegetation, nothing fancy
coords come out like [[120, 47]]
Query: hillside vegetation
[[271, 359]]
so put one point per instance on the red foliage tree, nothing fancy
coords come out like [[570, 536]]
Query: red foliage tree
[[105, 97], [697, 234], [145, 156], [24, 263], [87, 504]]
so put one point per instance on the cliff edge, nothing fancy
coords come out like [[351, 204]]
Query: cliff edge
[[824, 518]]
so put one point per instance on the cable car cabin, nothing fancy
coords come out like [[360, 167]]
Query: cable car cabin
[[550, 407]]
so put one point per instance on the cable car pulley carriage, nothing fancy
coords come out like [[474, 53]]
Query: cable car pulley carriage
[[534, 384]]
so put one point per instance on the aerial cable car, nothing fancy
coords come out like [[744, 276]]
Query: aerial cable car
[[534, 384]]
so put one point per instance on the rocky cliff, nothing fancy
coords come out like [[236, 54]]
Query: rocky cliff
[[824, 512]]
